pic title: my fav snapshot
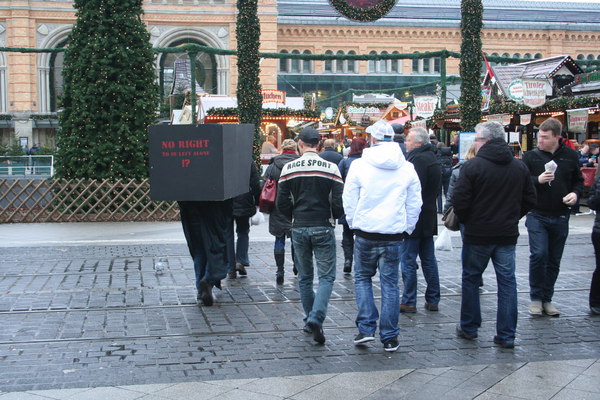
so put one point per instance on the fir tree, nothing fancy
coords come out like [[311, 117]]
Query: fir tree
[[110, 93], [470, 64], [249, 92]]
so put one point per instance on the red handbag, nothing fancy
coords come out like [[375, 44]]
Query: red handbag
[[268, 195]]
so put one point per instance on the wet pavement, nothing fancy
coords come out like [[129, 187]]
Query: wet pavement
[[85, 316]]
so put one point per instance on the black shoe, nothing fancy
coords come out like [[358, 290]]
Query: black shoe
[[206, 293], [295, 270], [405, 308], [362, 338], [508, 344], [347, 267], [595, 310], [317, 332], [306, 329], [465, 335], [391, 345], [279, 279], [232, 275], [241, 269], [432, 307]]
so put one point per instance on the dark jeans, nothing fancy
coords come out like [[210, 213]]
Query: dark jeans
[[446, 175], [547, 237], [474, 261], [348, 242], [238, 252], [595, 288], [369, 256], [424, 248], [320, 242]]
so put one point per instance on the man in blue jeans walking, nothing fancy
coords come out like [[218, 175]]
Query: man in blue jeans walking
[[555, 172], [310, 194], [382, 201], [492, 193]]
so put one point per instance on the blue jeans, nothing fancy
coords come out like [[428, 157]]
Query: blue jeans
[[424, 248], [320, 241], [475, 259], [368, 256], [547, 237]]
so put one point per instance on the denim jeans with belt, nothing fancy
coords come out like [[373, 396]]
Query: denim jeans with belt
[[475, 259], [319, 241], [424, 248], [547, 237], [370, 255]]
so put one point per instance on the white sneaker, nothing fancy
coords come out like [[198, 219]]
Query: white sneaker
[[550, 310], [535, 308]]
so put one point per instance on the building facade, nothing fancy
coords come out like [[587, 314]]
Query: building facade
[[31, 83]]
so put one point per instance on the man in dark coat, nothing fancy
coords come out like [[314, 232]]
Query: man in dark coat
[[330, 153], [244, 207], [492, 193], [559, 189], [420, 243]]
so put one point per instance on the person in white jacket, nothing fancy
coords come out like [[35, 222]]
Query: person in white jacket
[[382, 202]]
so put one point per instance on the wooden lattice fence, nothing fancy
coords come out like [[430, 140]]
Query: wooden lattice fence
[[56, 200]]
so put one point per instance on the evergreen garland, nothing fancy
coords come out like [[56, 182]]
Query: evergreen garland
[[110, 94], [363, 14], [249, 94], [470, 63], [268, 112]]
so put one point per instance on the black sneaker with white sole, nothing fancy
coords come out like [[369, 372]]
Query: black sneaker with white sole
[[363, 338], [391, 345]]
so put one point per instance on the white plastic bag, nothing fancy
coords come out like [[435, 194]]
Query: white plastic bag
[[257, 218], [444, 241]]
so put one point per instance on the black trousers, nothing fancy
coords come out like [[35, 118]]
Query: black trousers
[[206, 226], [595, 287]]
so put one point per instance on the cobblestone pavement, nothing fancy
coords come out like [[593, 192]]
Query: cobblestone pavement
[[93, 316]]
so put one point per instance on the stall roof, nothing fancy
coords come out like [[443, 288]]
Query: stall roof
[[545, 68]]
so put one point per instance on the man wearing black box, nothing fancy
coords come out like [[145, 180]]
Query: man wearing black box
[[205, 226]]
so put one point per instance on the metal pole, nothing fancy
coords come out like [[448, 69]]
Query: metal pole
[[192, 55]]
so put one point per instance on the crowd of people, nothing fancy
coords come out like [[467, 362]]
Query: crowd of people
[[386, 190]]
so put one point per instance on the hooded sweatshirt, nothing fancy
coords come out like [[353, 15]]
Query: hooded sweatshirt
[[382, 194], [494, 190]]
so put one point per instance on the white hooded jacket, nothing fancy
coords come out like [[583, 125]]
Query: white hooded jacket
[[382, 193]]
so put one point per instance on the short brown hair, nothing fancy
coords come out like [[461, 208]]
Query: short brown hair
[[552, 124]]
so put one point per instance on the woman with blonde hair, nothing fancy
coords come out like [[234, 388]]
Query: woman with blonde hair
[[279, 225]]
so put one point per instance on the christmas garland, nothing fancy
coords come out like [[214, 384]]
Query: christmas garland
[[470, 64], [559, 104], [274, 112], [363, 14]]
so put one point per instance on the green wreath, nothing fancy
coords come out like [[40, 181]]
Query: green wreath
[[363, 14]]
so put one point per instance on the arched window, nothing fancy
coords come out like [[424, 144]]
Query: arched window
[[507, 56], [598, 57], [339, 64], [395, 64], [205, 71], [492, 63], [516, 55], [383, 64], [590, 57], [328, 64], [55, 74], [427, 65], [537, 56], [295, 63], [580, 57], [3, 88], [372, 63], [352, 63], [415, 65], [526, 55], [306, 64], [284, 63]]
